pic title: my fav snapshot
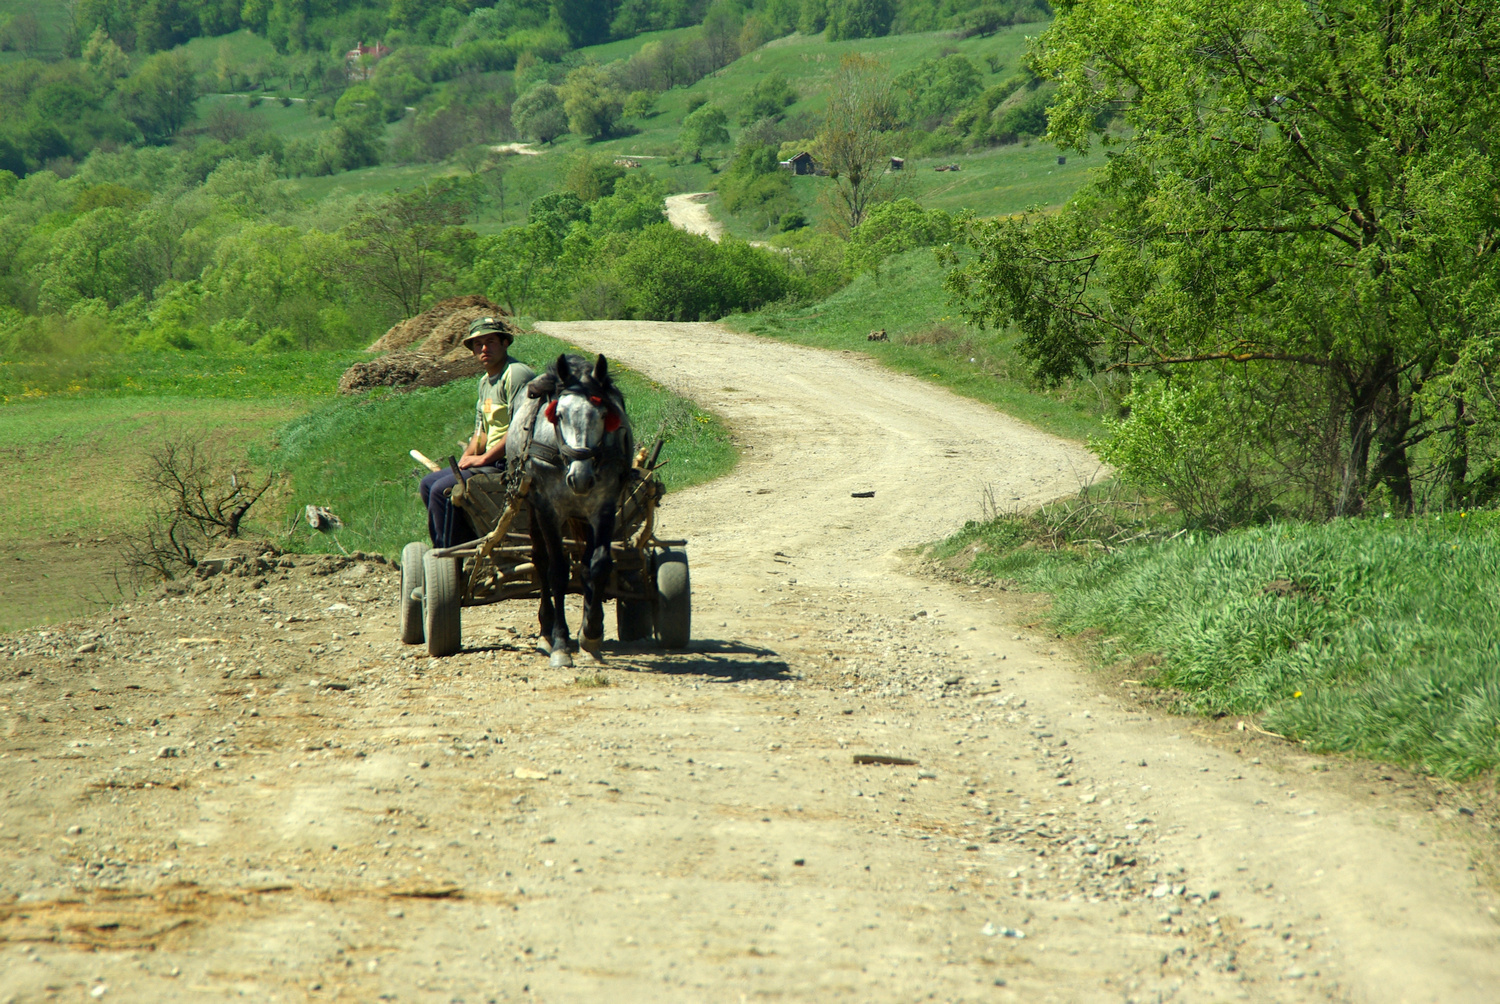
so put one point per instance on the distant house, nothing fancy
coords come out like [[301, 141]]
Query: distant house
[[803, 163], [898, 164], [360, 58]]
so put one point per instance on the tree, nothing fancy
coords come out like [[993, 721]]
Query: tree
[[704, 128], [770, 96], [860, 18], [539, 114], [1301, 208], [591, 101], [935, 87], [855, 141], [159, 97], [516, 266], [640, 104], [586, 22], [104, 59], [400, 247]]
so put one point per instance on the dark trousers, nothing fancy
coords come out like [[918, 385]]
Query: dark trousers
[[447, 525]]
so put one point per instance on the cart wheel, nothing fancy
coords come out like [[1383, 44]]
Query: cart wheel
[[442, 610], [674, 600], [633, 619], [411, 581]]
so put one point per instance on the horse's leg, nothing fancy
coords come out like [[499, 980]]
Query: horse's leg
[[539, 560], [596, 579], [557, 585]]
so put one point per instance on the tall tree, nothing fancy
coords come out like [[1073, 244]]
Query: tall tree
[[159, 97], [705, 127], [856, 141], [1302, 194], [586, 22], [401, 247]]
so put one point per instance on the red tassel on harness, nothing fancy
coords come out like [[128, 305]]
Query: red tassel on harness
[[551, 412], [611, 421]]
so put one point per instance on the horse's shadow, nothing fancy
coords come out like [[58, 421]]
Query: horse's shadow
[[722, 660]]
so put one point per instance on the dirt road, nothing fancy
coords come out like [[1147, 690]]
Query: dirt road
[[253, 790], [688, 212]]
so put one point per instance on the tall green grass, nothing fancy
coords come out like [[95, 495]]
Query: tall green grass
[[1379, 638], [350, 454], [926, 340], [243, 376]]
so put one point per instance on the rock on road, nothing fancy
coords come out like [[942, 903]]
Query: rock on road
[[253, 789]]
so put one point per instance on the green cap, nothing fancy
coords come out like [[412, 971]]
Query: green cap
[[481, 326]]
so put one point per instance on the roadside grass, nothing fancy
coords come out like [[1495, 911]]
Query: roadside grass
[[351, 454], [907, 301], [1377, 638], [199, 375], [68, 493], [76, 432]]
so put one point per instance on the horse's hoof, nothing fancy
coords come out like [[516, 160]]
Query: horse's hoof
[[561, 660], [544, 646], [592, 646]]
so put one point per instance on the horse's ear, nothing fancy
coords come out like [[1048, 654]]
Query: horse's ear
[[562, 367], [601, 370]]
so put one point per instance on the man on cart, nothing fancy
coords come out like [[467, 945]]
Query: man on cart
[[503, 380]]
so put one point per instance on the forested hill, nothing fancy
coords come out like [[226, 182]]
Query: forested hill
[[76, 76]]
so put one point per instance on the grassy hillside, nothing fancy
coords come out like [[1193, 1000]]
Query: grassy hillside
[[907, 301], [992, 181]]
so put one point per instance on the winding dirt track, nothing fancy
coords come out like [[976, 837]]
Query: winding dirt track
[[484, 828], [688, 212]]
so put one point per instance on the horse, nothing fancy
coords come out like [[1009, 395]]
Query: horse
[[576, 443]]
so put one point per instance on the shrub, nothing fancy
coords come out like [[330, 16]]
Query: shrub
[[893, 227], [770, 96], [677, 276]]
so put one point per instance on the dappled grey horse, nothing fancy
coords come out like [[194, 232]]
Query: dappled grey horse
[[571, 434]]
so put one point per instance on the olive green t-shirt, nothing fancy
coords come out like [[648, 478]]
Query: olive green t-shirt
[[492, 410]]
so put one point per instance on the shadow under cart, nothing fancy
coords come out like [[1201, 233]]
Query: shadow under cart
[[649, 583]]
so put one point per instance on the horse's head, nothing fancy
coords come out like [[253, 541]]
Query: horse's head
[[586, 410]]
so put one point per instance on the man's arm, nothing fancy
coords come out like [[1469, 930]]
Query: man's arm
[[474, 453]]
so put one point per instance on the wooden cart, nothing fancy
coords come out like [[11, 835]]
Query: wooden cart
[[649, 583]]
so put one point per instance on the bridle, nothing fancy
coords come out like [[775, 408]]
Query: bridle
[[571, 454]]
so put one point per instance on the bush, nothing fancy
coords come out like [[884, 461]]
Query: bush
[[754, 186], [1183, 442], [890, 228], [770, 96], [676, 276], [538, 114], [859, 18]]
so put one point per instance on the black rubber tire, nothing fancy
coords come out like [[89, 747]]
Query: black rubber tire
[[412, 630], [442, 605], [674, 600], [633, 619]]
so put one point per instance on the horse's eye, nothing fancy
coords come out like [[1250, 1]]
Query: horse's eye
[[595, 401]]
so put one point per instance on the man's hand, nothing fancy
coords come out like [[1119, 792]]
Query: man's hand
[[470, 460]]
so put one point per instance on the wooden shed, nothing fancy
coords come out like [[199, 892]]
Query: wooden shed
[[802, 163]]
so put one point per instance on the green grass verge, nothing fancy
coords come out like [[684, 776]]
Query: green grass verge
[[1379, 638], [907, 301], [75, 433], [351, 453], [174, 374]]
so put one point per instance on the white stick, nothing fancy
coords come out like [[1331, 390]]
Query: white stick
[[418, 456]]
